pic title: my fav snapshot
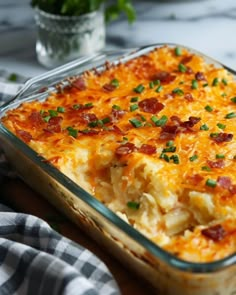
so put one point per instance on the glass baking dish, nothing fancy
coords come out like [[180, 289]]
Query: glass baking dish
[[167, 273]]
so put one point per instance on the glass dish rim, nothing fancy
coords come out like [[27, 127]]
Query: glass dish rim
[[151, 247]]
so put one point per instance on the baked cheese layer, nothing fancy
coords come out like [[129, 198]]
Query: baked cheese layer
[[154, 139]]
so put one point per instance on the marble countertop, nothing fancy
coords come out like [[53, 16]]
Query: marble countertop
[[206, 25]]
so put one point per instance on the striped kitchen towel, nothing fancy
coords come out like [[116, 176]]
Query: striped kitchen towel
[[37, 260]]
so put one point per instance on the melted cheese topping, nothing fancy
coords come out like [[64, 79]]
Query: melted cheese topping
[[155, 140]]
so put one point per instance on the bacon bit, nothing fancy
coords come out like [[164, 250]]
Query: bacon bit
[[36, 119], [151, 105], [224, 181], [87, 117], [216, 164], [24, 135], [147, 149], [195, 179], [186, 124], [116, 130], [186, 59], [89, 132], [194, 120], [232, 189], [200, 76], [168, 132], [190, 123], [116, 115], [164, 77], [215, 232], [54, 125], [109, 87], [189, 70], [188, 96], [176, 120], [79, 84], [125, 149], [47, 132], [222, 137]]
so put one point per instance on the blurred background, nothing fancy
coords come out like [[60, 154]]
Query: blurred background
[[207, 25]]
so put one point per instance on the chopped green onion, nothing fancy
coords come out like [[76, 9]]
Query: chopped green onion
[[205, 85], [136, 123], [215, 82], [42, 112], [161, 122], [154, 119], [223, 94], [211, 182], [181, 82], [47, 118], [224, 81], [125, 138], [159, 89], [151, 85], [208, 108], [95, 123], [194, 84], [178, 51], [143, 118], [220, 156], [53, 113], [134, 99], [170, 143], [214, 134], [182, 68], [165, 157], [115, 83], [61, 109], [230, 115], [221, 126], [106, 120], [139, 89], [147, 124], [76, 106], [193, 158], [133, 205], [116, 107], [178, 91], [233, 99], [89, 104], [206, 168], [204, 127], [170, 149], [156, 82], [72, 132], [175, 159], [133, 107]]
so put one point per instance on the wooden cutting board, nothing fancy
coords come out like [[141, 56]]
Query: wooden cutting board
[[21, 198]]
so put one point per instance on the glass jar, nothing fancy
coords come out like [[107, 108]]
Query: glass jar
[[61, 39]]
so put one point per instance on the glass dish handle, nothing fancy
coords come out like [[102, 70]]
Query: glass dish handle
[[43, 82]]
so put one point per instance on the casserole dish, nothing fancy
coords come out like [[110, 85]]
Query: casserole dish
[[166, 270]]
